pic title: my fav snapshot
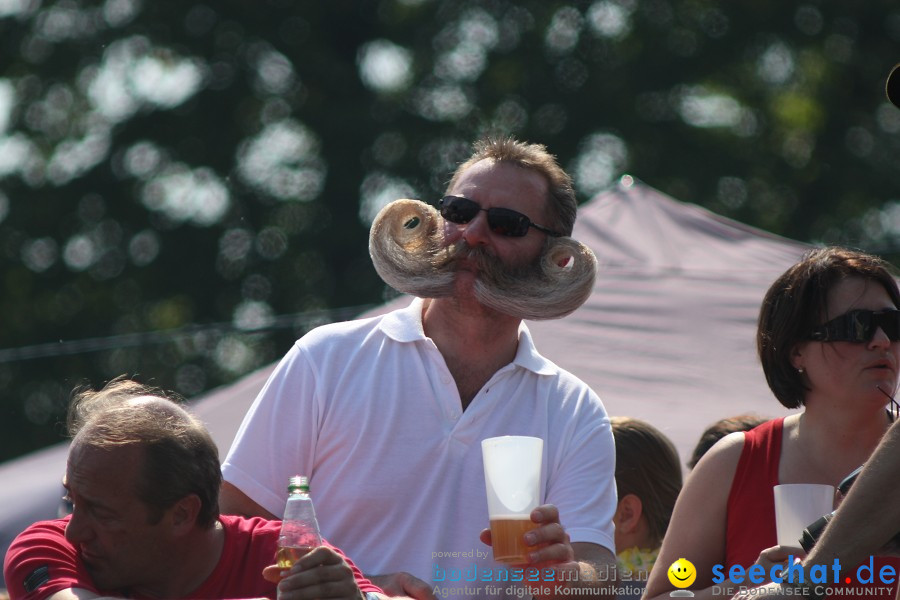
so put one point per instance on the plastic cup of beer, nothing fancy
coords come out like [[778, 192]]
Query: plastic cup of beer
[[512, 477]]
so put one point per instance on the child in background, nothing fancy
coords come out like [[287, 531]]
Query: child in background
[[648, 479]]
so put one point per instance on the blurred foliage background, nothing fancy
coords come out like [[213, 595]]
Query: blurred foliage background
[[185, 188]]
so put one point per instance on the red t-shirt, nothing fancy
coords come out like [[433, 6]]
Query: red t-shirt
[[41, 562]]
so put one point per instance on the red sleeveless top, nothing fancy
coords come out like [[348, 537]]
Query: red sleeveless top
[[751, 503], [751, 507]]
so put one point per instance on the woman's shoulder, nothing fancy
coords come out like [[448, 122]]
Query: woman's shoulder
[[727, 451], [724, 454]]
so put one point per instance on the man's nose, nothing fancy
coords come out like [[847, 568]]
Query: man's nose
[[76, 530], [477, 232]]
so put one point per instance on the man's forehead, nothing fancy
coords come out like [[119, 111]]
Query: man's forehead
[[103, 476], [491, 174], [110, 461]]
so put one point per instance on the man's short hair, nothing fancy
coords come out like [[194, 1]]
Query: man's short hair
[[180, 457], [561, 202]]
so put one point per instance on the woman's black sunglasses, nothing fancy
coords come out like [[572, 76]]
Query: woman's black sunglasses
[[502, 221], [859, 326]]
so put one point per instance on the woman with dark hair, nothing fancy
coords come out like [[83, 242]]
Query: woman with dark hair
[[827, 339]]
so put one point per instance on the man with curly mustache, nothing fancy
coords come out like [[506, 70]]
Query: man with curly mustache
[[386, 415]]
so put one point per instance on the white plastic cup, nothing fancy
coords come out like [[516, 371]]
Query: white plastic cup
[[512, 478], [798, 505]]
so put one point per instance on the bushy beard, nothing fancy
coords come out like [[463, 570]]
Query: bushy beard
[[406, 245]]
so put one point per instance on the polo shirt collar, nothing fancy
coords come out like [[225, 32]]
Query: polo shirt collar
[[405, 325], [528, 357]]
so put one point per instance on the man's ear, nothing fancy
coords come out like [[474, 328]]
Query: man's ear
[[628, 513], [183, 514]]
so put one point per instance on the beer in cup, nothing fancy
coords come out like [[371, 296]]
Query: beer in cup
[[512, 478]]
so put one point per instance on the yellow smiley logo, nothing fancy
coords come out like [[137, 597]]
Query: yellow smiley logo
[[682, 573]]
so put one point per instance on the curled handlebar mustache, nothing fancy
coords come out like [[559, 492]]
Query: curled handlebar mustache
[[406, 245]]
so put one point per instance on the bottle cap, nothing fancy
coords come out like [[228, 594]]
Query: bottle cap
[[298, 482]]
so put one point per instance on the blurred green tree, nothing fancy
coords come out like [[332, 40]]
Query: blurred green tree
[[205, 174]]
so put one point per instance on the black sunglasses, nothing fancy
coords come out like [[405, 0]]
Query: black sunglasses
[[859, 326], [502, 221]]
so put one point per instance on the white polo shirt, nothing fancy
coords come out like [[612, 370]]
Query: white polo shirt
[[370, 412]]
